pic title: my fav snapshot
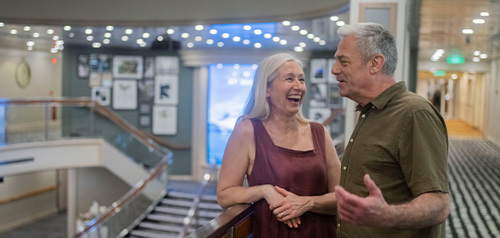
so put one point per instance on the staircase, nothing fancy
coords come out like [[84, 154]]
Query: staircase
[[167, 219]]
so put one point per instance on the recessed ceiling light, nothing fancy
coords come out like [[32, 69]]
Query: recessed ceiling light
[[467, 31], [484, 14], [257, 31], [170, 31], [190, 44], [129, 31], [295, 28], [124, 38], [219, 66], [322, 42], [483, 56], [475, 59], [2, 24], [159, 38], [454, 76], [67, 28], [220, 44], [30, 43], [145, 35], [185, 35], [225, 35], [246, 42], [334, 18], [198, 38], [477, 53], [53, 50], [55, 38], [268, 35], [139, 41], [71, 35], [283, 42], [236, 66], [30, 48], [107, 35], [478, 21], [13, 31], [213, 31], [286, 23], [302, 44], [310, 36], [236, 39], [88, 31], [90, 38], [210, 42], [247, 27], [96, 45], [106, 41], [198, 27], [27, 28], [316, 39], [257, 45], [298, 49], [110, 28], [303, 32], [340, 23], [276, 39]]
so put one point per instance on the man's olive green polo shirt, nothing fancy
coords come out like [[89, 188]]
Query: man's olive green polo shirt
[[400, 140]]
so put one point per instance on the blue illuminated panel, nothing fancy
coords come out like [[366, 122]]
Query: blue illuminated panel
[[228, 88]]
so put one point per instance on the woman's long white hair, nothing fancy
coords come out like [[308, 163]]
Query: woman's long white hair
[[257, 105]]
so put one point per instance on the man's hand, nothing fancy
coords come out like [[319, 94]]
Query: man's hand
[[368, 211]]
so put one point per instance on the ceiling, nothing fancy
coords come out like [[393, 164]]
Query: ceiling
[[441, 25], [442, 22]]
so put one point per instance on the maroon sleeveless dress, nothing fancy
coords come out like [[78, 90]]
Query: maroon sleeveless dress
[[300, 172]]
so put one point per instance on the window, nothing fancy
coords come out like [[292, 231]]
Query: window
[[228, 88]]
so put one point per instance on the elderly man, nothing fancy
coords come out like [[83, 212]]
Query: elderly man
[[394, 180]]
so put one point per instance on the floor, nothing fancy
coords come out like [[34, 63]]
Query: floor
[[474, 166]]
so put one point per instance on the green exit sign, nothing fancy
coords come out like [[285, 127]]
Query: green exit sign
[[440, 73], [455, 59]]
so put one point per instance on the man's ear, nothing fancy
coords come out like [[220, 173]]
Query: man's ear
[[376, 63]]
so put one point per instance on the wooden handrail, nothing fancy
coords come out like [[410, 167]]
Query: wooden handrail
[[28, 194], [235, 219]]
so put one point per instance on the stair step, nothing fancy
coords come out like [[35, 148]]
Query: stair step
[[181, 203], [161, 226], [153, 234], [191, 196], [177, 219]]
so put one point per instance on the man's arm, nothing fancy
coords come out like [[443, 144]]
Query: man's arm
[[425, 210]]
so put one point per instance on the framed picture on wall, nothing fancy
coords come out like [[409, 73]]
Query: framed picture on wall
[[330, 77], [83, 66], [318, 70], [146, 90], [164, 120], [167, 65], [145, 120], [102, 95], [166, 89], [318, 95], [319, 115], [149, 66], [100, 63], [124, 94], [127, 67], [334, 99]]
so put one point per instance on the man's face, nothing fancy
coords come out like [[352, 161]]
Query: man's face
[[350, 71]]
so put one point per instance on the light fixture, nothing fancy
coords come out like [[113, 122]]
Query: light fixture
[[198, 38], [286, 23], [477, 53], [110, 28], [276, 39], [90, 38], [322, 42], [30, 43], [170, 31], [316, 39], [146, 35], [236, 39], [268, 35], [302, 44], [295, 28], [483, 56], [283, 42], [13, 31], [124, 38], [310, 36], [247, 27], [107, 35], [96, 45], [159, 38], [88, 31], [220, 44], [298, 49], [257, 45], [212, 31], [484, 14], [257, 31], [27, 28], [190, 44], [225, 35], [198, 27], [106, 41], [210, 42], [55, 38], [67, 28], [2, 24], [467, 31], [219, 66], [53, 50], [340, 23], [129, 31], [246, 42], [185, 35], [303, 32], [475, 59], [334, 18], [478, 21]]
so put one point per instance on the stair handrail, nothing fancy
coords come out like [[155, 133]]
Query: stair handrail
[[193, 210]]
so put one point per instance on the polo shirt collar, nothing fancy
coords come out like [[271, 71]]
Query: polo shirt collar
[[382, 99]]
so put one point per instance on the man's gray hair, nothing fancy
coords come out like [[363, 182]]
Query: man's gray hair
[[373, 39]]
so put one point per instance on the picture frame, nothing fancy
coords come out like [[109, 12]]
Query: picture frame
[[166, 89], [83, 66], [102, 95], [127, 67], [319, 115], [146, 89], [318, 95], [100, 63], [167, 65], [335, 100], [164, 120], [318, 70], [149, 66], [144, 108], [124, 94], [331, 79], [144, 120]]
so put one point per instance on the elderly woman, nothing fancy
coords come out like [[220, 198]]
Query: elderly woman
[[291, 164]]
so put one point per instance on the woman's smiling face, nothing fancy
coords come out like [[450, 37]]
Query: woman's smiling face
[[287, 90]]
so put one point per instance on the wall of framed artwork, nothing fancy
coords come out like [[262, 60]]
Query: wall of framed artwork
[[166, 89]]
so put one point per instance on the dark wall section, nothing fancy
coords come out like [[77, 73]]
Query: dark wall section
[[78, 87]]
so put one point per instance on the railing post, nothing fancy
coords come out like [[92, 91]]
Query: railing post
[[91, 118], [47, 118]]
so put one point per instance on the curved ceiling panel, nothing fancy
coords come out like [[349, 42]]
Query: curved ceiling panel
[[161, 12]]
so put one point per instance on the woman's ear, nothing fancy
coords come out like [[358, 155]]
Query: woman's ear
[[376, 63]]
